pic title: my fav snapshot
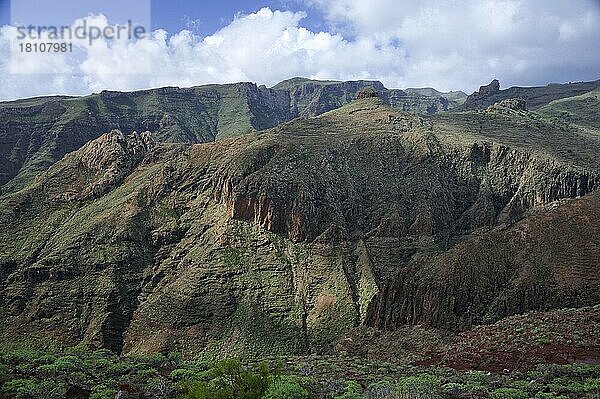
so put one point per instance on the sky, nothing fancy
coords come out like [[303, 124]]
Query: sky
[[445, 44]]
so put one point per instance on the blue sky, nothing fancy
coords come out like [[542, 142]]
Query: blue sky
[[203, 17], [445, 44], [175, 15]]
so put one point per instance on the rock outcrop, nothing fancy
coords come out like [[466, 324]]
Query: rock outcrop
[[490, 89], [369, 92], [511, 104]]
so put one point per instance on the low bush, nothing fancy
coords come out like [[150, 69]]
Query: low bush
[[509, 393], [285, 388]]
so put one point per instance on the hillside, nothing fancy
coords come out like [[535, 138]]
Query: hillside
[[580, 111], [35, 133], [276, 242]]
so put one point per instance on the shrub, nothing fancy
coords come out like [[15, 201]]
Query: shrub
[[80, 350], [478, 379], [45, 359], [103, 354], [230, 380], [509, 393], [118, 369], [285, 388], [4, 374], [381, 390], [334, 388], [46, 370], [25, 368], [550, 395], [158, 388], [454, 389], [144, 375], [20, 356], [103, 392], [174, 358], [352, 390], [51, 390], [79, 378], [17, 389], [68, 364], [158, 360], [422, 386], [27, 389], [196, 390], [592, 385], [184, 374]]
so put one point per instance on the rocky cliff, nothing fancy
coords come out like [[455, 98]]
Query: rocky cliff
[[535, 97], [549, 260]]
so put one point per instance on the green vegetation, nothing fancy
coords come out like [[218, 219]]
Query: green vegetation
[[28, 374]]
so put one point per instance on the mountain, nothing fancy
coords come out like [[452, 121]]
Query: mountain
[[455, 98], [282, 241], [534, 97], [35, 133]]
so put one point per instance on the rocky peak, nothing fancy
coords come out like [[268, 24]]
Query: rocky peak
[[488, 90], [484, 97], [115, 149], [111, 157]]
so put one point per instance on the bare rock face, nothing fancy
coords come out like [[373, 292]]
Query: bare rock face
[[537, 263], [514, 104], [368, 92], [483, 95], [492, 88]]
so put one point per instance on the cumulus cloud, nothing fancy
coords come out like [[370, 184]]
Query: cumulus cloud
[[445, 44], [459, 44]]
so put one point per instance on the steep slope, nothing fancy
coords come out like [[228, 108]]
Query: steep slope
[[313, 97], [271, 242], [535, 97], [549, 260], [35, 133]]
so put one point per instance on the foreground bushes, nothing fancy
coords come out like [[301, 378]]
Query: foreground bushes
[[101, 374]]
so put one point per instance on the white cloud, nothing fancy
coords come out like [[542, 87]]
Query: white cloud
[[460, 44], [445, 44]]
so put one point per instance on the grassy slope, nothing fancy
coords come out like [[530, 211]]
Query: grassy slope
[[581, 111], [525, 130]]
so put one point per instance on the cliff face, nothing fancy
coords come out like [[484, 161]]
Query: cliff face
[[535, 97], [549, 260], [276, 242]]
